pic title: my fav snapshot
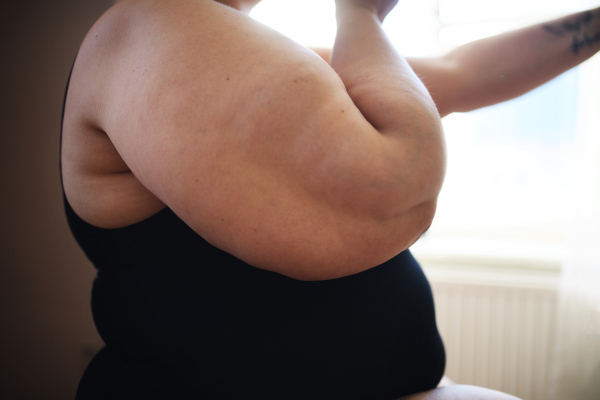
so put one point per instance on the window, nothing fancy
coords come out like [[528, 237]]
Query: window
[[512, 187], [511, 190]]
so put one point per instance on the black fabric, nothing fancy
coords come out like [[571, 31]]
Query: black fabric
[[182, 319], [109, 376]]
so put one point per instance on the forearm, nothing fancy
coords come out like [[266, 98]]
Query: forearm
[[391, 97], [378, 79], [506, 66]]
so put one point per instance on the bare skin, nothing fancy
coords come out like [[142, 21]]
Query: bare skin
[[106, 191], [257, 144], [250, 139], [502, 67]]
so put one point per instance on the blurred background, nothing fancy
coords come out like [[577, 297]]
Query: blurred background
[[513, 255]]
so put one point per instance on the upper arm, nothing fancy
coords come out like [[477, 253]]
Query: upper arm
[[254, 143], [439, 74]]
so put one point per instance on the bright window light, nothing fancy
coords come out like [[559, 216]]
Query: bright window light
[[412, 26], [463, 21], [309, 22], [512, 179], [466, 11], [512, 167]]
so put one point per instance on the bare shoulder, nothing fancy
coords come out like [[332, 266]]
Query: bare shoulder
[[249, 137], [193, 63], [181, 55]]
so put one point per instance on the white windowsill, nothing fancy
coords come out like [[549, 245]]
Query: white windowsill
[[491, 262]]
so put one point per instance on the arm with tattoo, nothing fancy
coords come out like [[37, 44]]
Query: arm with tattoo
[[502, 67], [583, 31], [505, 66]]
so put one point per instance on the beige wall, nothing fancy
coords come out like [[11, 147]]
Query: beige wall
[[46, 331]]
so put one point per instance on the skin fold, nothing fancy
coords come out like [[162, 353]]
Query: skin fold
[[311, 169]]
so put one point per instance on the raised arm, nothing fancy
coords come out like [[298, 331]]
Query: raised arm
[[379, 80], [388, 93], [254, 142], [502, 67]]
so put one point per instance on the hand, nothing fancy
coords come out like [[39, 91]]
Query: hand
[[379, 7]]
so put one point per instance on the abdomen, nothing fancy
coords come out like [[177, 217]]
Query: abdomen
[[224, 325]]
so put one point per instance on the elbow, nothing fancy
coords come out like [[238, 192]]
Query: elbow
[[413, 223], [427, 213], [390, 238], [366, 245], [420, 174]]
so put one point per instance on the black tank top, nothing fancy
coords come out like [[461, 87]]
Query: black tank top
[[190, 315]]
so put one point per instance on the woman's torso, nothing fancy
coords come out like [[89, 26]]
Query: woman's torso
[[222, 327], [166, 300]]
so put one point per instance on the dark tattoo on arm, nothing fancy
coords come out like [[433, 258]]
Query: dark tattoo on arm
[[584, 33]]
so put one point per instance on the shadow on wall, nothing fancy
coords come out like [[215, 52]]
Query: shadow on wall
[[46, 331]]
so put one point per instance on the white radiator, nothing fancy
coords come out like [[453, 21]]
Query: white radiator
[[497, 334]]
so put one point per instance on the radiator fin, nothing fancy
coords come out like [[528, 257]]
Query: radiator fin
[[497, 337]]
